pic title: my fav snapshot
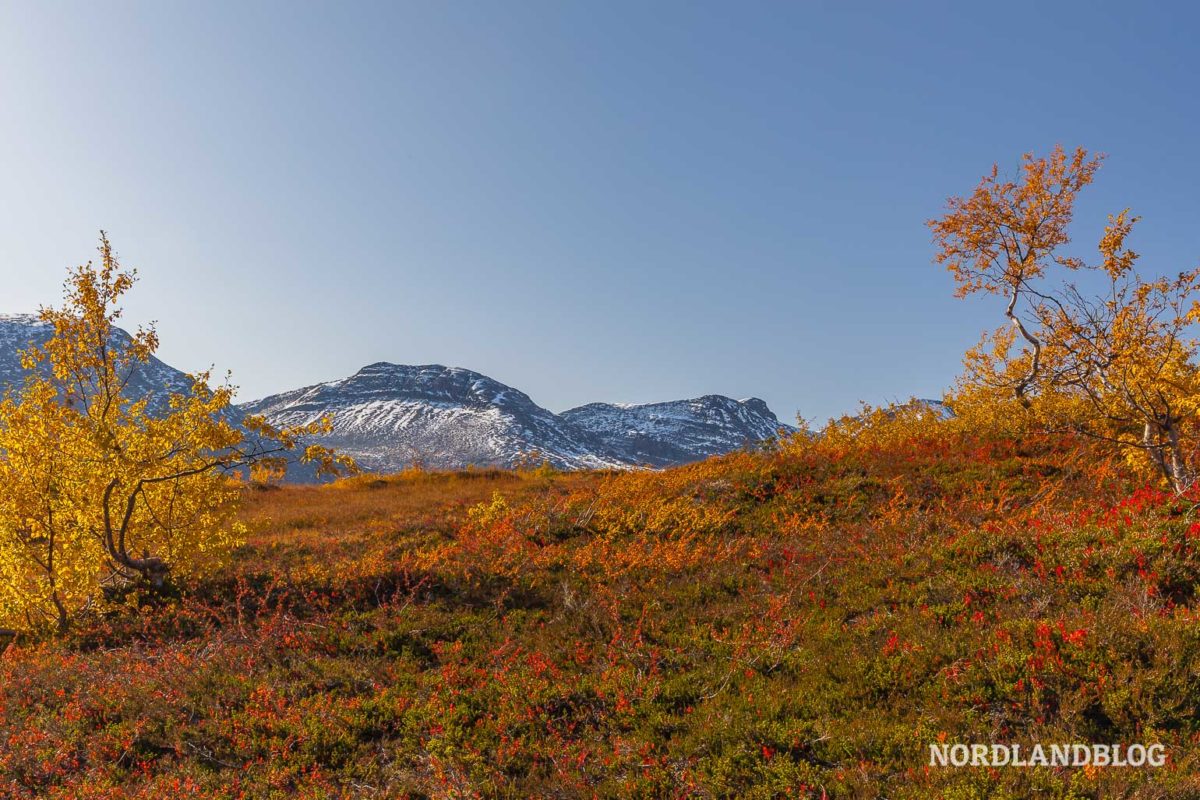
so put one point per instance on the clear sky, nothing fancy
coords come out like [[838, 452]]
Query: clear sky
[[589, 201]]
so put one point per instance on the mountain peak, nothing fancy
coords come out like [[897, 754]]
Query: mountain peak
[[757, 405]]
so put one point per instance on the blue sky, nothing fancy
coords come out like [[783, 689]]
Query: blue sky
[[589, 201]]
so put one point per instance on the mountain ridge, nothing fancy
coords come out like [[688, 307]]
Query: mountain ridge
[[392, 415]]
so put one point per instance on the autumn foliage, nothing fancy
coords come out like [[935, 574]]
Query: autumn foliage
[[802, 622]]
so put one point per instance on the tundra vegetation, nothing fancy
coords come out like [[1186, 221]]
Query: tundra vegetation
[[802, 619]]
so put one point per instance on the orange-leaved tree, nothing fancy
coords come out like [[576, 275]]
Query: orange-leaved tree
[[1116, 360], [107, 488]]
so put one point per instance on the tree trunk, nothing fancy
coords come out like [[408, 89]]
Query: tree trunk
[[1181, 473], [1023, 385]]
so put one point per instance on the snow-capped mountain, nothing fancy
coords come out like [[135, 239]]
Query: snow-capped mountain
[[389, 416], [662, 434], [19, 331]]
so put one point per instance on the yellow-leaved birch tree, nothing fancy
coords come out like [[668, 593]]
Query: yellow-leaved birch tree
[[100, 492], [1111, 356]]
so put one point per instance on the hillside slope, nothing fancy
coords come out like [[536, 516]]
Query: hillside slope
[[799, 623]]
